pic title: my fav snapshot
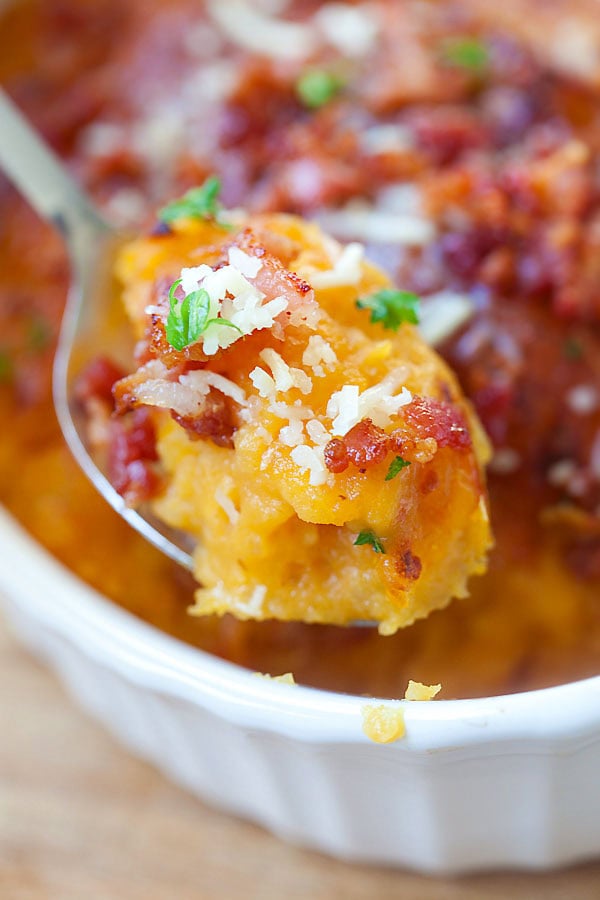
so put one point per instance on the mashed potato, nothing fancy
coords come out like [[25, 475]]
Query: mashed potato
[[318, 450]]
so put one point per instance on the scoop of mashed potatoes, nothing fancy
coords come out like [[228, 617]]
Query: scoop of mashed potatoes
[[317, 449]]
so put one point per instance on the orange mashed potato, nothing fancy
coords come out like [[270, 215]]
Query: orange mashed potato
[[279, 443]]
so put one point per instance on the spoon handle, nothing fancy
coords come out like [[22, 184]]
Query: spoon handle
[[39, 175]]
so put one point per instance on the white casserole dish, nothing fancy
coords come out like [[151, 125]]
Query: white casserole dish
[[496, 782]]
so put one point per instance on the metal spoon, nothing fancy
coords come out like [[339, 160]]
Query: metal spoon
[[91, 244]]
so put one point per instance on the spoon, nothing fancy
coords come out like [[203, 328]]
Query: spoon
[[91, 245]]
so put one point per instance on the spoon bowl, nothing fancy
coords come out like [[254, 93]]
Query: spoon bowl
[[91, 245]]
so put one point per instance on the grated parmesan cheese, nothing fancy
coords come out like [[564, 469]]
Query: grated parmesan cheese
[[352, 30], [234, 298], [252, 29], [292, 435], [376, 226], [262, 381], [248, 265], [442, 314], [348, 406], [285, 377], [301, 380], [282, 375], [311, 459], [347, 269], [317, 433], [319, 355], [203, 379]]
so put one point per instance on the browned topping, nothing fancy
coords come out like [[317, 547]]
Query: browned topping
[[439, 420], [409, 565], [96, 381], [336, 456], [216, 421], [131, 458], [366, 444]]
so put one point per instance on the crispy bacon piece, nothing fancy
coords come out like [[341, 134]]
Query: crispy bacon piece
[[216, 422], [426, 422], [436, 419], [131, 454], [365, 445], [336, 456], [96, 381]]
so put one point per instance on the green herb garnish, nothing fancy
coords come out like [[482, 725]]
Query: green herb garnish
[[466, 53], [6, 367], [39, 334], [391, 307], [188, 318], [368, 537], [199, 203], [316, 87], [396, 465], [572, 349]]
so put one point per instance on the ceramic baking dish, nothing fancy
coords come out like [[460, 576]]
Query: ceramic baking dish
[[495, 782]]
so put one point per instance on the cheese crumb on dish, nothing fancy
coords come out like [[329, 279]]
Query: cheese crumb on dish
[[418, 691], [286, 678], [383, 724]]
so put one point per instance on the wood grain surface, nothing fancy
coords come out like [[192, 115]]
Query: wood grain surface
[[80, 818]]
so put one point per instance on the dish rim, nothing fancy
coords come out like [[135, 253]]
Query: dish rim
[[564, 714]]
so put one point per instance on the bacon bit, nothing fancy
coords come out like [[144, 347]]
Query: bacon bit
[[409, 565], [583, 558], [336, 456], [131, 454], [96, 381], [436, 419], [444, 132], [215, 422], [366, 444]]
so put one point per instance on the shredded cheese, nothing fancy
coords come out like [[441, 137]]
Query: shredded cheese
[[348, 406], [311, 459], [252, 29], [350, 29], [263, 382], [347, 269], [418, 691], [383, 723], [233, 297], [319, 355]]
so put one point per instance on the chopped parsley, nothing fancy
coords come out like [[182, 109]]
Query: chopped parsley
[[6, 367], [316, 87], [391, 307], [572, 349], [38, 334], [396, 465], [466, 53], [188, 318], [368, 537], [199, 203]]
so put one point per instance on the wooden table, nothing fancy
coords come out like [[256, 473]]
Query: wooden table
[[80, 819]]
